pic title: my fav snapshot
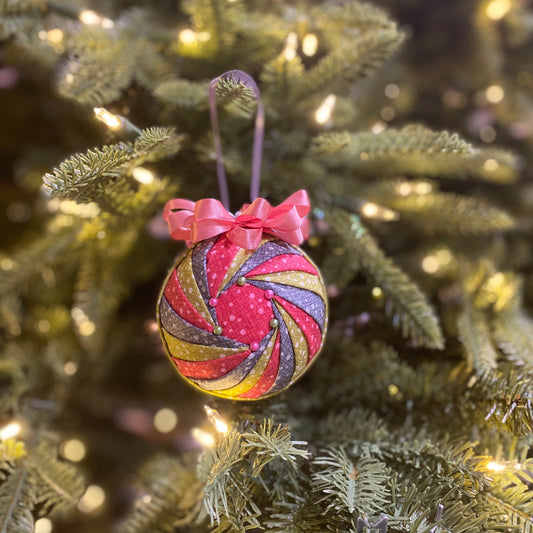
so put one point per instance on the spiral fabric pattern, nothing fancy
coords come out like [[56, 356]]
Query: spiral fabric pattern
[[243, 324]]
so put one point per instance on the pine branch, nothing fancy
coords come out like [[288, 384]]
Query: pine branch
[[100, 174], [513, 331], [172, 496], [56, 484], [359, 487], [405, 302], [417, 151], [16, 503], [441, 213], [75, 177], [474, 334], [183, 93]]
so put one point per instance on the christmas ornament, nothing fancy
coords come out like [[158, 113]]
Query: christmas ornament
[[243, 312]]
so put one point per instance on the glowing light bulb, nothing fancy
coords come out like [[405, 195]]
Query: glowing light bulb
[[430, 264], [73, 449], [422, 187], [92, 18], [392, 91], [43, 525], [495, 94], [187, 36], [165, 420], [310, 44], [54, 36], [491, 165], [70, 368], [112, 121], [493, 466], [92, 499], [10, 431], [497, 9], [206, 439], [216, 420], [143, 175], [291, 45], [324, 111], [372, 210], [377, 292]]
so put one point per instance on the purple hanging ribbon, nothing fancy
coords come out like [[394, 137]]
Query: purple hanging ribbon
[[259, 131]]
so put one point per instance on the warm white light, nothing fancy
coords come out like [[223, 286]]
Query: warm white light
[[6, 264], [310, 44], [497, 9], [495, 94], [92, 499], [430, 264], [10, 430], [216, 420], [143, 175], [70, 207], [43, 525], [393, 389], [378, 127], [444, 256], [392, 91], [291, 45], [495, 467], [70, 368], [377, 292], [110, 120], [372, 210], [206, 439], [422, 187], [87, 328], [324, 111], [54, 36], [491, 165], [165, 420], [187, 36], [73, 449]]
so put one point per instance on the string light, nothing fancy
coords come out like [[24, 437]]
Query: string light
[[497, 9], [310, 44], [92, 18], [495, 94], [143, 175], [392, 91], [206, 439], [10, 431], [190, 37], [54, 36], [92, 499], [291, 45], [378, 127], [491, 165], [372, 210], [387, 113], [377, 292], [405, 188], [112, 121], [325, 110], [6, 264], [493, 466], [165, 420], [86, 327], [73, 450], [430, 264], [216, 420], [70, 368], [43, 525]]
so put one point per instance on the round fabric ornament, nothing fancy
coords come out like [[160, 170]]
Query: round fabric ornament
[[243, 324], [243, 312]]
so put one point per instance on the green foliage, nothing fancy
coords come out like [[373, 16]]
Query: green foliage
[[406, 304], [414, 150], [16, 503], [474, 334], [171, 496]]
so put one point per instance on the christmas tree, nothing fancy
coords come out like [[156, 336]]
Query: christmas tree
[[409, 124]]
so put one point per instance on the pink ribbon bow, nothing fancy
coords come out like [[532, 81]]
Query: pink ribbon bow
[[195, 222]]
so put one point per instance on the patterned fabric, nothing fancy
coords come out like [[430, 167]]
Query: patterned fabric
[[243, 324]]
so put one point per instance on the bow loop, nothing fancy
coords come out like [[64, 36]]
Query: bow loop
[[195, 222]]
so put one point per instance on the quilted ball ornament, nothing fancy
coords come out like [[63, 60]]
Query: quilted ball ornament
[[243, 324]]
